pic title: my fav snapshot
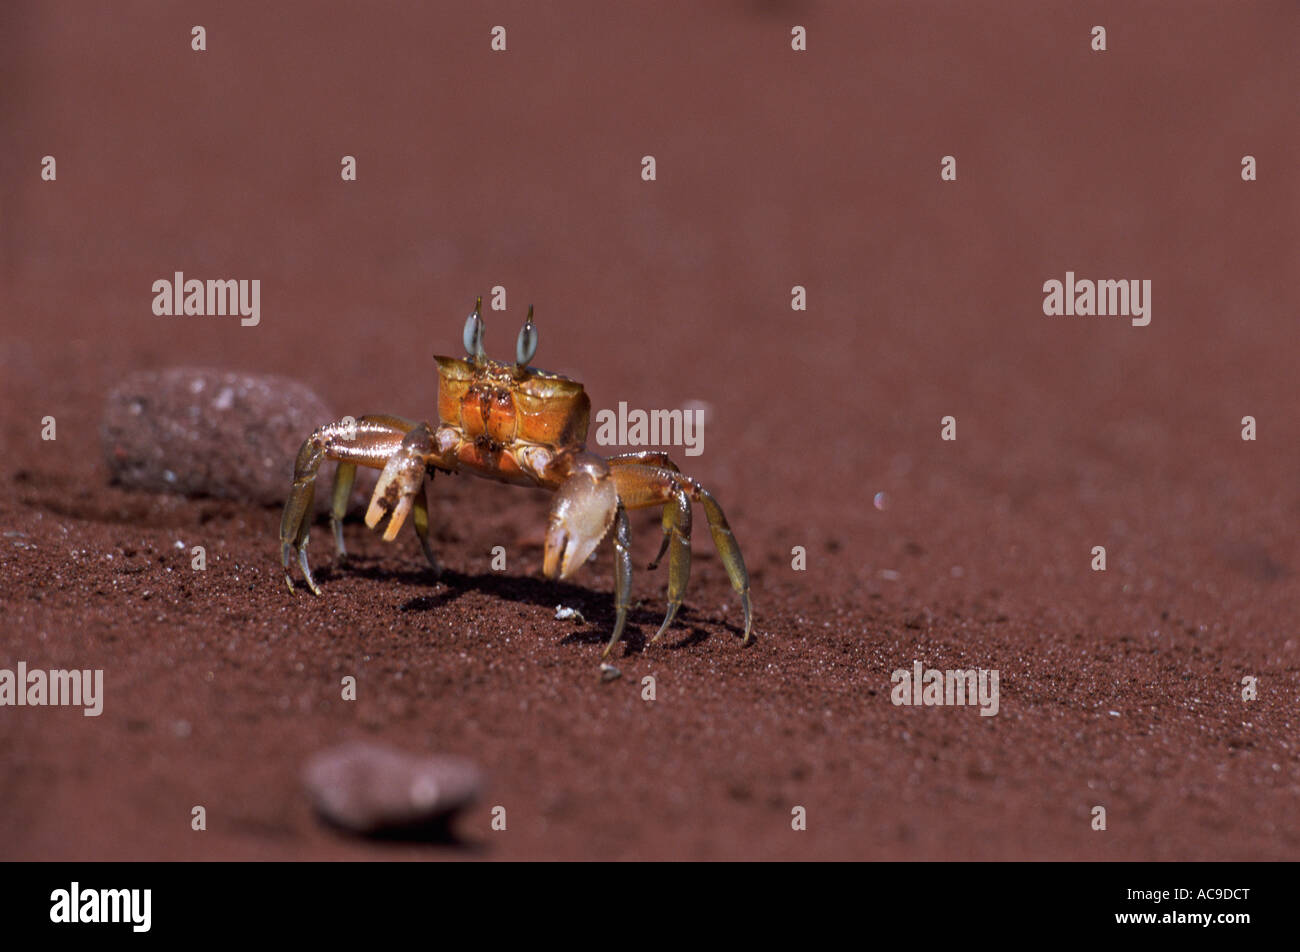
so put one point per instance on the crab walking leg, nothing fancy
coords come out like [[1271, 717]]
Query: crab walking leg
[[666, 522], [420, 517], [369, 441], [725, 542], [677, 540], [299, 543], [641, 485], [671, 515], [344, 477], [622, 577], [662, 460]]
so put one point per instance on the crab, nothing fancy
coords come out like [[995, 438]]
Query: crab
[[515, 424]]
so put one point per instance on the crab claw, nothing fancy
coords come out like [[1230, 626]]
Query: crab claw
[[402, 477], [582, 513]]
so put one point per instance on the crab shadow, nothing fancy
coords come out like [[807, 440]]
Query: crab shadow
[[596, 609], [373, 568]]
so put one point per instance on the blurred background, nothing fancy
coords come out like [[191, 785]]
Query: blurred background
[[775, 168]]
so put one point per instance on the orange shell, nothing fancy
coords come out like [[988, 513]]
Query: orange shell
[[489, 400]]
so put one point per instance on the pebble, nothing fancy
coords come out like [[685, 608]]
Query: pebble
[[204, 432], [370, 788], [564, 614]]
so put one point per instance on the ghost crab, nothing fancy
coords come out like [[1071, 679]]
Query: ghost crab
[[515, 424]]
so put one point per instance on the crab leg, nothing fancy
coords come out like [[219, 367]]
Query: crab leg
[[622, 576], [677, 535], [369, 441], [725, 542], [344, 476], [420, 518], [662, 460], [651, 479]]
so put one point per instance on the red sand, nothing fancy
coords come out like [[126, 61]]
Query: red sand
[[775, 168]]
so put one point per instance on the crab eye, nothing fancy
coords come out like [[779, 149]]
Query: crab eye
[[474, 333], [526, 345]]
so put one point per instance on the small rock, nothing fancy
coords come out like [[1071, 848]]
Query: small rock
[[564, 614], [608, 672], [369, 788], [202, 432]]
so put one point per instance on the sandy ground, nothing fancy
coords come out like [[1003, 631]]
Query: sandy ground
[[1120, 689]]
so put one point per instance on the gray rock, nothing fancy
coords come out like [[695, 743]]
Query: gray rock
[[203, 432], [369, 788]]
